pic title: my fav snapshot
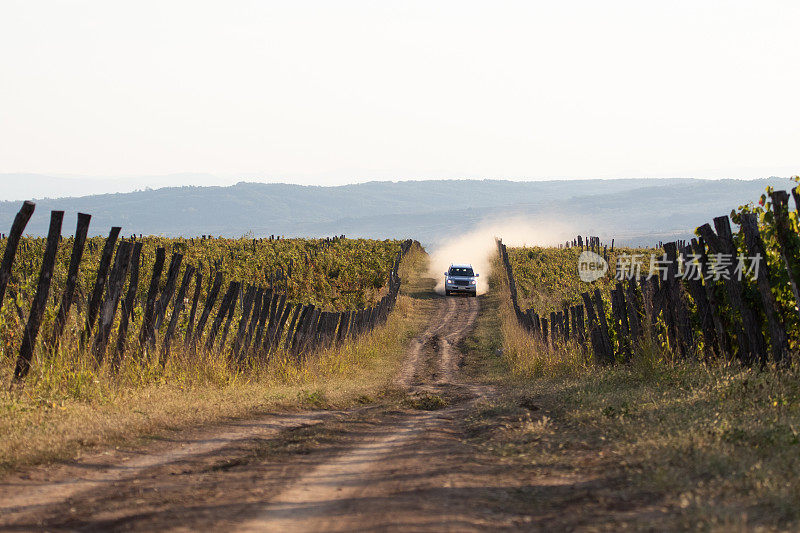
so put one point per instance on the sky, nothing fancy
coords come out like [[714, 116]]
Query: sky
[[320, 92]]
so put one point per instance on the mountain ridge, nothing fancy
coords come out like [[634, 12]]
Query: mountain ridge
[[381, 209]]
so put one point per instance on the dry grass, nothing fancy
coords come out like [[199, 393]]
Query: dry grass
[[657, 445], [66, 405]]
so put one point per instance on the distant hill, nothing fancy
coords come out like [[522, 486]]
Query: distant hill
[[632, 210]]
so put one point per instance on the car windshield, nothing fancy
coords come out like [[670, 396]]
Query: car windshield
[[460, 271]]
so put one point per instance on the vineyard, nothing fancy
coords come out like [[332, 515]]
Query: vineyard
[[688, 300], [675, 384], [102, 299]]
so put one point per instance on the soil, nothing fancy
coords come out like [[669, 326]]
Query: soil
[[404, 465]]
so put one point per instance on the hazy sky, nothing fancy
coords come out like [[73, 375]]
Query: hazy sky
[[334, 92]]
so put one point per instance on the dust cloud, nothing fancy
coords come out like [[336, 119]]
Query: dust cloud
[[478, 246]]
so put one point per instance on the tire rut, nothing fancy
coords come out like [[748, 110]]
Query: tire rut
[[182, 484], [340, 494]]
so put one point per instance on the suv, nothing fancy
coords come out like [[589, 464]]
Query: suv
[[460, 278]]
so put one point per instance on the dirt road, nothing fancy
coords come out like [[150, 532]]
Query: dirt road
[[387, 466]]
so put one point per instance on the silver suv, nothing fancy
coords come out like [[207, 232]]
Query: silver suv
[[460, 278]]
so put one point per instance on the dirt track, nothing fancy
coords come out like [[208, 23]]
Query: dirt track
[[372, 468]]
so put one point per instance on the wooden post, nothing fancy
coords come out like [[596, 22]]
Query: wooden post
[[633, 307], [127, 306], [312, 331], [260, 302], [176, 313], [305, 331], [329, 334], [149, 309], [233, 288], [598, 344], [299, 313], [788, 241], [531, 322], [573, 322], [169, 290], [208, 306], [544, 332], [282, 316], [677, 303], [267, 311], [247, 301], [723, 339], [616, 317], [625, 330], [198, 287], [601, 314], [40, 298], [99, 283], [698, 293], [274, 321], [341, 327], [751, 343], [17, 227], [755, 247], [72, 279], [231, 312], [108, 308], [657, 292]]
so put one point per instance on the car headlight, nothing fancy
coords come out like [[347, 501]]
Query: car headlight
[[473, 281]]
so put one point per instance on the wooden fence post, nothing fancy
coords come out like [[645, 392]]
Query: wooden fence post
[[299, 313], [751, 343], [177, 308], [127, 306], [68, 296], [198, 287], [347, 324], [282, 314], [17, 227], [258, 303], [788, 241], [580, 323], [723, 339], [276, 320], [166, 296], [100, 283], [677, 303], [698, 293], [233, 288], [306, 330], [40, 298], [624, 331], [267, 302], [149, 309], [598, 343], [601, 314], [208, 306], [231, 312], [755, 247], [633, 308], [108, 309], [544, 332], [247, 301]]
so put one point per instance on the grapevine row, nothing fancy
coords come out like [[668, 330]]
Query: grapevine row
[[256, 315], [713, 314]]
